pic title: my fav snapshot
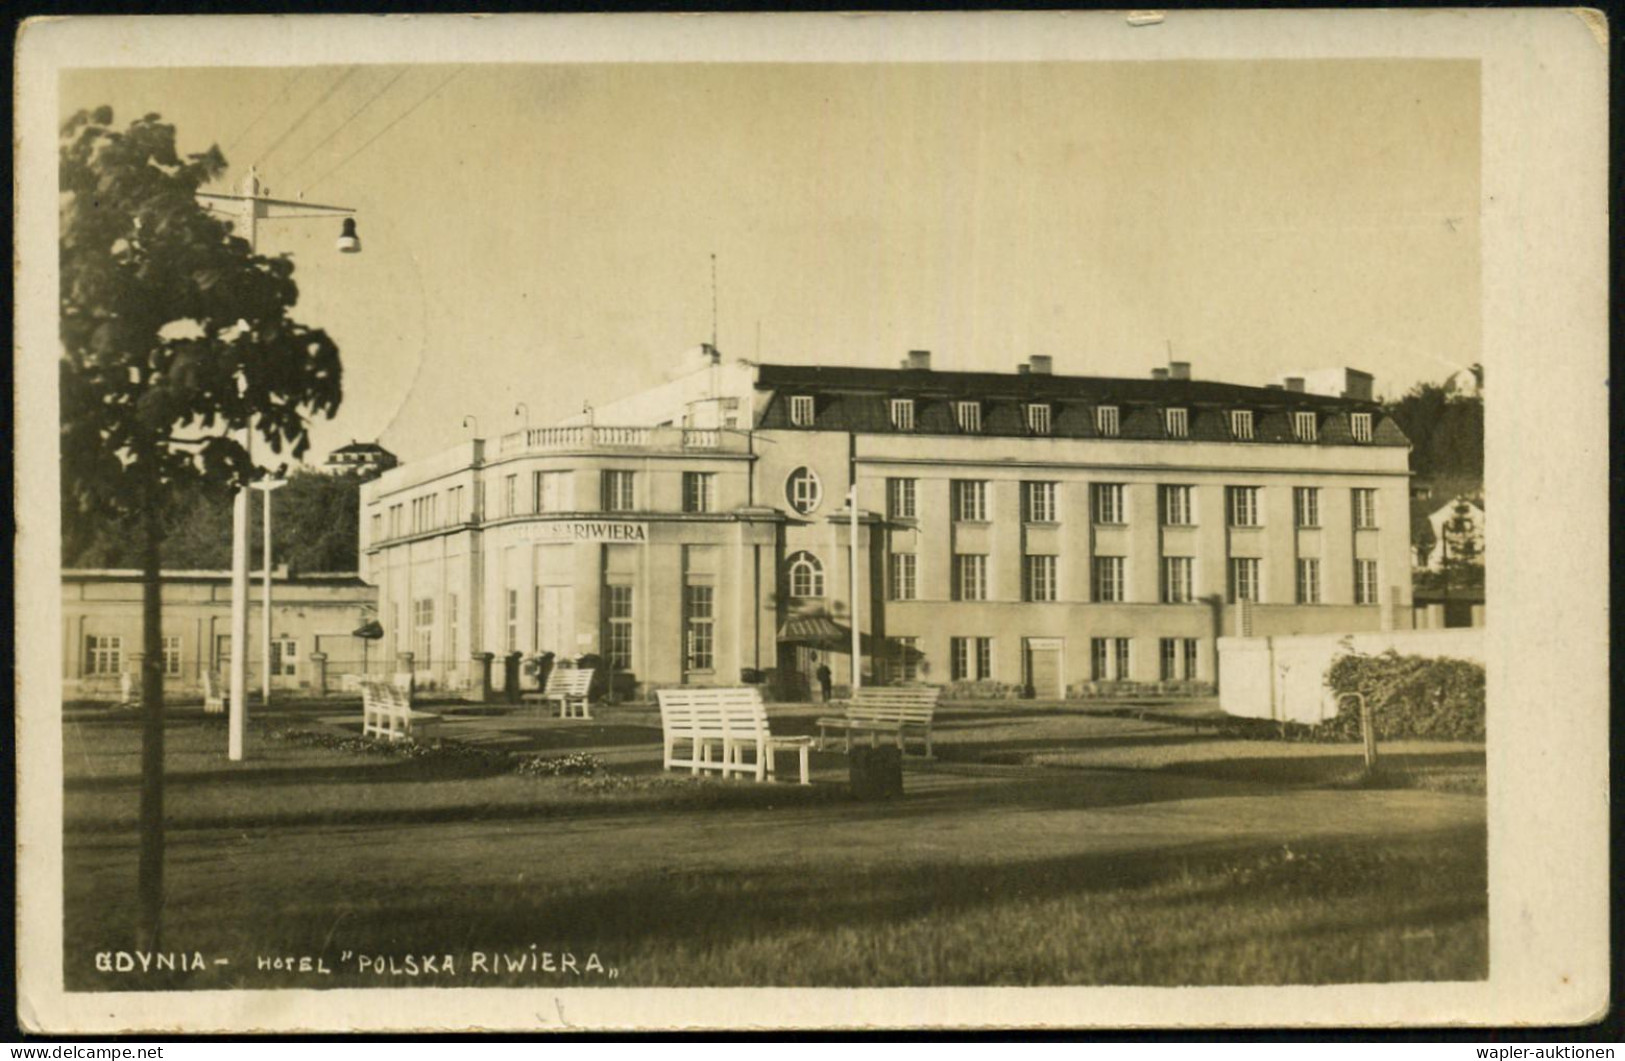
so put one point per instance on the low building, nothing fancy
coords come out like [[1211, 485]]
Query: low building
[[367, 459], [310, 614], [1015, 533], [1457, 529]]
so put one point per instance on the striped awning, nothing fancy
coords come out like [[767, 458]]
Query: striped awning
[[814, 630]]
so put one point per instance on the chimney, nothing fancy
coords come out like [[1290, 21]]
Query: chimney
[[1023, 369], [919, 360], [1294, 383], [1042, 364], [1273, 386], [1179, 370], [1159, 374]]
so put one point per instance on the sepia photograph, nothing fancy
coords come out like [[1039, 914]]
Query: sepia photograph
[[758, 515]]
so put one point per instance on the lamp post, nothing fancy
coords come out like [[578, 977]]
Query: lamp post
[[265, 486], [857, 638], [247, 210]]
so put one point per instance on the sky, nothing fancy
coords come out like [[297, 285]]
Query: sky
[[543, 234]]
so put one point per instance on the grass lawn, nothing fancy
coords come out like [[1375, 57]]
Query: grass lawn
[[1042, 847]]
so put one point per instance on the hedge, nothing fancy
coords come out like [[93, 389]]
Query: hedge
[[1429, 697]]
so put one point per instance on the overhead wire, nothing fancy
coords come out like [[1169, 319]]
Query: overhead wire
[[353, 116], [397, 120], [334, 87], [287, 87]]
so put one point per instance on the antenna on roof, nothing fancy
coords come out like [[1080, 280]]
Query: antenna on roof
[[713, 301]]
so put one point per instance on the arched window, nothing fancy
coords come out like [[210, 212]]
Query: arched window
[[803, 490], [806, 575]]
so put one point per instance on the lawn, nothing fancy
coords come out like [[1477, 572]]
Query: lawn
[[1043, 847]]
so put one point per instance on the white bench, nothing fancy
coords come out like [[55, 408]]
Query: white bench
[[569, 687], [902, 711], [129, 689], [214, 693], [726, 722], [386, 711]]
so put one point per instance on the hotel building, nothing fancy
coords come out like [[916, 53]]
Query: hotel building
[[1017, 533]]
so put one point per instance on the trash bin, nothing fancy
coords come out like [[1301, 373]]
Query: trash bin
[[877, 773]]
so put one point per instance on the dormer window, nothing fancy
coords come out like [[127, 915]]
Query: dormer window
[[902, 414], [1038, 419], [1176, 422], [1360, 425], [1303, 427], [1106, 420], [1241, 424], [968, 415], [801, 410]]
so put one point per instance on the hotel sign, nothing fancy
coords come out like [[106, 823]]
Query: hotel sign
[[588, 530]]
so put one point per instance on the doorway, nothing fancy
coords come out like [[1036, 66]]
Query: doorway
[[1042, 661]]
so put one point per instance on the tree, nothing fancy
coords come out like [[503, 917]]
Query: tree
[[175, 339]]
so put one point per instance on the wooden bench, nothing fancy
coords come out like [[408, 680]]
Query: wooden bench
[[386, 711], [900, 710], [214, 693], [725, 722], [569, 687]]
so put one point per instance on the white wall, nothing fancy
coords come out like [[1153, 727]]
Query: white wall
[[1283, 678]]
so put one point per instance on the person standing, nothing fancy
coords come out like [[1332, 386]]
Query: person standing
[[824, 680]]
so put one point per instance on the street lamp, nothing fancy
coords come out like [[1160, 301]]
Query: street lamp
[[266, 486], [247, 210]]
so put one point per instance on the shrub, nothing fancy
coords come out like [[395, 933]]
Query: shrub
[[1429, 697], [578, 764]]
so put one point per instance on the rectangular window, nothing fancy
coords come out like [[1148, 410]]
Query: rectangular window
[[1243, 579], [1243, 505], [900, 495], [1177, 507], [1168, 659], [1038, 502], [969, 500], [1106, 420], [1365, 508], [510, 495], [1306, 505], [1303, 426], [377, 528], [700, 633], [104, 655], [970, 658], [423, 631], [617, 491], [699, 491], [555, 491], [1108, 659], [1108, 579], [1038, 419], [456, 504], [903, 572], [1190, 659], [1365, 582], [1308, 580], [1177, 422], [1360, 426], [1108, 502], [1177, 579], [902, 414], [451, 628], [970, 576], [801, 410], [1241, 424], [1040, 577], [284, 657], [618, 606], [513, 621], [968, 415], [904, 663], [172, 656]]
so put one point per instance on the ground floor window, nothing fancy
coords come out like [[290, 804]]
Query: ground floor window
[[284, 657], [423, 632], [1243, 579], [1365, 582], [904, 664], [970, 659], [172, 656], [1108, 659], [1178, 659], [1308, 580], [104, 655], [618, 605], [699, 621], [513, 621], [451, 628]]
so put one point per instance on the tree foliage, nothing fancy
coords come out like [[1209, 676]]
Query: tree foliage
[[175, 334], [1410, 696], [1446, 429]]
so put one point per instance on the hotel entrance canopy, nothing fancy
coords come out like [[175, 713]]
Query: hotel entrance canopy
[[814, 630]]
